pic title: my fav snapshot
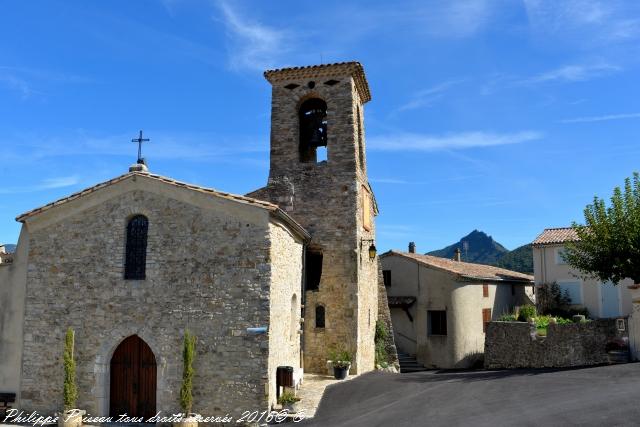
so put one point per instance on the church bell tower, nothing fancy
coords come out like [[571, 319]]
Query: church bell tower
[[318, 174]]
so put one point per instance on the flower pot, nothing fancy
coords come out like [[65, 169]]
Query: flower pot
[[340, 372], [329, 367], [71, 418], [291, 408], [189, 421]]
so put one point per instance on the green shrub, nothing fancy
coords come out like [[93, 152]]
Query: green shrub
[[526, 312], [381, 356], [288, 398], [340, 357], [507, 318], [543, 321], [188, 353], [70, 387]]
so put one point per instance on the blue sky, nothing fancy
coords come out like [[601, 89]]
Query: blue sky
[[506, 116]]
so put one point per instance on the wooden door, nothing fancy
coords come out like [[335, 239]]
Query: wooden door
[[133, 379]]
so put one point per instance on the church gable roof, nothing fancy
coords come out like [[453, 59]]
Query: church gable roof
[[274, 209]]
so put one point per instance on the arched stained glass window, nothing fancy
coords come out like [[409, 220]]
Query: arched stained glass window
[[136, 253]]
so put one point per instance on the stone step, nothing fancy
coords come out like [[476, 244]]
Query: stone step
[[412, 370], [409, 364]]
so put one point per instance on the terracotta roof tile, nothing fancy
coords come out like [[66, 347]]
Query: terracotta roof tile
[[552, 236], [234, 197], [465, 269]]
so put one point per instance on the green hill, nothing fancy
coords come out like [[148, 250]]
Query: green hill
[[476, 247], [480, 248], [519, 259]]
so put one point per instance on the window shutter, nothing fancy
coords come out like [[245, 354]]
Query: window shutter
[[486, 318]]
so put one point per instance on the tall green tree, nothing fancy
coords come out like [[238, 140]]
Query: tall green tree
[[70, 387], [188, 354], [608, 245]]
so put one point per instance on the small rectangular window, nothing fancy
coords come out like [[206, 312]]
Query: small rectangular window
[[386, 276], [437, 322], [313, 270], [486, 318], [573, 290], [485, 290], [560, 257], [320, 313]]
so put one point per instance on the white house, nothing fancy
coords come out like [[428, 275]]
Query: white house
[[601, 299]]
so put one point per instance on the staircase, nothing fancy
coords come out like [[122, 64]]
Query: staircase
[[409, 364]]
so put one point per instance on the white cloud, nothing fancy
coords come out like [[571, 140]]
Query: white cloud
[[23, 79], [388, 181], [400, 181], [254, 46], [47, 184], [573, 73], [461, 18], [585, 21], [188, 146], [428, 96], [602, 118], [451, 141], [15, 83]]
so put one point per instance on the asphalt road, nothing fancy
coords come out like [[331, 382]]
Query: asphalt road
[[599, 396]]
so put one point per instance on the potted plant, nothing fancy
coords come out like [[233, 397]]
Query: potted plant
[[188, 419], [70, 417], [341, 359], [289, 401]]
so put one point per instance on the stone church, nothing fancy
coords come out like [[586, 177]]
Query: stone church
[[273, 278]]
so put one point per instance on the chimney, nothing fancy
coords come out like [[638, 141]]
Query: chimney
[[458, 255], [412, 247]]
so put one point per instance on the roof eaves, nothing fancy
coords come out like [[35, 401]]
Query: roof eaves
[[133, 175], [497, 279], [354, 68], [293, 224]]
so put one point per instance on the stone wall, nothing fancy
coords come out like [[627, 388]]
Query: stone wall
[[285, 304], [208, 270], [634, 322], [13, 278], [384, 316], [516, 345]]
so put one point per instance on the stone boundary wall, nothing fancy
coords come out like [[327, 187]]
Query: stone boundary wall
[[384, 315], [516, 345]]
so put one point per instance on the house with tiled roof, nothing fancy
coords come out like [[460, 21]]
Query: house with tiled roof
[[440, 307], [602, 300]]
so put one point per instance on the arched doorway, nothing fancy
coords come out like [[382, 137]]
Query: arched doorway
[[133, 379]]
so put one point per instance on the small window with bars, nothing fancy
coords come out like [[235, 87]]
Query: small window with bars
[[136, 249]]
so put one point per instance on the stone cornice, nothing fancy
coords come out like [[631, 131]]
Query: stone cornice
[[353, 69]]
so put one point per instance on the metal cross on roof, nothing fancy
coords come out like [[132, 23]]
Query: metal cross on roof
[[140, 140]]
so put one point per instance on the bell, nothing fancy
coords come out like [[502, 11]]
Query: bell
[[317, 138]]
